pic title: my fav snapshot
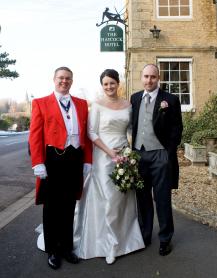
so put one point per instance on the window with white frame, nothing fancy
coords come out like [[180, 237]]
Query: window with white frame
[[174, 8], [176, 78]]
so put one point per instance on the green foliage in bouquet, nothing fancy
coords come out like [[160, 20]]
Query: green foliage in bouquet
[[125, 175]]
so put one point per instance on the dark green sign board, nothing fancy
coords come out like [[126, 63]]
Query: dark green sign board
[[111, 38]]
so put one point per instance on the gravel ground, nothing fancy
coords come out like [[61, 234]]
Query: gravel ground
[[197, 193]]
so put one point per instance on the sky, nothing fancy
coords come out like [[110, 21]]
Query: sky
[[43, 35]]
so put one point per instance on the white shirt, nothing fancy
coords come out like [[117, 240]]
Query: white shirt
[[152, 94], [72, 123], [72, 136]]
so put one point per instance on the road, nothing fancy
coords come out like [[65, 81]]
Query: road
[[12, 143], [195, 245], [194, 254], [16, 177]]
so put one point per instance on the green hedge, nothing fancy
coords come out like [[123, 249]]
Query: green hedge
[[204, 125], [4, 125], [22, 123], [198, 137]]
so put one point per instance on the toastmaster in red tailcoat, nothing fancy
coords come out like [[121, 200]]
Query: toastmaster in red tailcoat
[[60, 150]]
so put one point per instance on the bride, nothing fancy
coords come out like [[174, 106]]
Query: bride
[[106, 223]]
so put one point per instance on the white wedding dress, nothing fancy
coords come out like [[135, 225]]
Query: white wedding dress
[[106, 223]]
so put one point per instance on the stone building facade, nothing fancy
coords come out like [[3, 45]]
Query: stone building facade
[[186, 50]]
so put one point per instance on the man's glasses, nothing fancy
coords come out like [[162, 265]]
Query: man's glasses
[[61, 78]]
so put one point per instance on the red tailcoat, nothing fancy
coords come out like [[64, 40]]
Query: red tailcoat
[[48, 128]]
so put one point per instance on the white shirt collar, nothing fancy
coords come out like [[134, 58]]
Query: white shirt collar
[[153, 94], [59, 95]]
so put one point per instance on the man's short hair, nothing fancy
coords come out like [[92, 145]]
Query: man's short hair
[[153, 66], [63, 68]]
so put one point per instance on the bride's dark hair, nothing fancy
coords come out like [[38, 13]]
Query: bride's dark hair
[[110, 73]]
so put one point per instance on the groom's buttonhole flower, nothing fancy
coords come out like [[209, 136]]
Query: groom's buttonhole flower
[[163, 105], [125, 175]]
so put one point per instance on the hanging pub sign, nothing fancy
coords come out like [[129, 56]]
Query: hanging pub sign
[[111, 36]]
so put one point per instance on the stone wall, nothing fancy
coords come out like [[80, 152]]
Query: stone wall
[[198, 31], [194, 38]]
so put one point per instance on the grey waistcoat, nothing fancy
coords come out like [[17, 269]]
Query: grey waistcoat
[[145, 132]]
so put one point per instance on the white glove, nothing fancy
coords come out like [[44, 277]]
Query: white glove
[[40, 171], [86, 169]]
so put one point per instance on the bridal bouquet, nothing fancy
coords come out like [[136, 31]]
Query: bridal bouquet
[[125, 175]]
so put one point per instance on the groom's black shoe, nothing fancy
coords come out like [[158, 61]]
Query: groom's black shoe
[[71, 258], [54, 261], [165, 248], [147, 243]]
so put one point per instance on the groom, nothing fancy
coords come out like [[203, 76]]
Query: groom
[[59, 150], [156, 133]]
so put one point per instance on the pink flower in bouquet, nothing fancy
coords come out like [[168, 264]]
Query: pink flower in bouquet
[[120, 159], [125, 175], [117, 159]]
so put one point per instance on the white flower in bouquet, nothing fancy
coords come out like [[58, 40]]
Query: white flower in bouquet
[[121, 172], [127, 152], [125, 175]]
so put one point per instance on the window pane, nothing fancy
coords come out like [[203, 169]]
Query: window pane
[[164, 75], [163, 11], [174, 11], [184, 66], [184, 11], [174, 76], [174, 66], [185, 88], [185, 99], [174, 88], [184, 76], [184, 2], [164, 65], [164, 87], [174, 7], [174, 2], [163, 2]]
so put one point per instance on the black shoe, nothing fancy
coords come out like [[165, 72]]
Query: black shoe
[[71, 258], [165, 248], [147, 243], [54, 261]]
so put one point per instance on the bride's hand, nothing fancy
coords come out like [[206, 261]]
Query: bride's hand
[[113, 153]]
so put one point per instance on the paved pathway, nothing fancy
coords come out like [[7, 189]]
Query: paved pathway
[[194, 254]]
